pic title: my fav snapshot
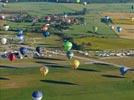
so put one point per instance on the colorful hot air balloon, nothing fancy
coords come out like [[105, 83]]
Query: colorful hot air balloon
[[39, 49], [70, 54], [78, 1], [48, 18], [46, 34], [95, 29], [20, 36], [118, 29], [123, 70], [12, 57], [23, 50], [44, 71], [44, 28], [3, 41], [37, 95], [67, 46], [6, 27], [75, 64]]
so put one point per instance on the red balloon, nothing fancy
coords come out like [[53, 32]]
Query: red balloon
[[12, 57]]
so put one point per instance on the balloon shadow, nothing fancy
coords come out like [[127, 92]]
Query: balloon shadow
[[41, 58], [102, 64], [90, 70], [57, 66], [3, 78], [58, 82], [112, 76], [10, 67], [43, 62]]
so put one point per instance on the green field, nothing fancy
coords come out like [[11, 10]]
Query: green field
[[63, 83], [90, 82]]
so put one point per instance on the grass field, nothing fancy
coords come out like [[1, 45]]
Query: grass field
[[106, 43], [88, 82]]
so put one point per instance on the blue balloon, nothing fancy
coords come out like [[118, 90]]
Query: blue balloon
[[21, 32], [46, 34], [37, 95], [119, 29], [70, 54], [123, 70], [20, 36], [23, 50], [39, 49]]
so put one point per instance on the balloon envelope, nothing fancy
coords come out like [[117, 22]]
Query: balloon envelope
[[95, 28], [46, 34], [23, 50], [70, 54], [6, 28], [123, 70], [67, 45], [119, 29], [3, 41], [75, 64], [20, 36], [44, 70], [37, 95], [12, 57], [39, 49]]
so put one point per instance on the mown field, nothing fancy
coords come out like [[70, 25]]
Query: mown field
[[63, 83], [94, 81]]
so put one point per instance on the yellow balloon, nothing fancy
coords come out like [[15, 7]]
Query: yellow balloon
[[44, 71], [75, 64]]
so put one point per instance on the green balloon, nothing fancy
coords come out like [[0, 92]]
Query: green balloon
[[78, 1], [95, 28], [67, 46]]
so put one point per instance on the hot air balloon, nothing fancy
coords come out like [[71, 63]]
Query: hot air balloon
[[37, 95], [95, 29], [20, 37], [23, 50], [3, 41], [39, 49], [84, 3], [21, 32], [44, 28], [12, 57], [6, 27], [70, 54], [123, 70], [112, 27], [75, 64], [2, 17], [46, 34], [48, 18], [77, 1], [44, 71], [67, 46], [118, 29]]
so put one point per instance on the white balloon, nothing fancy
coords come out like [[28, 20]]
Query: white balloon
[[3, 41], [37, 98], [6, 28]]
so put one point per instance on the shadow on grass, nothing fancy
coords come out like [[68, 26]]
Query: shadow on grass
[[58, 82], [57, 66], [102, 64], [42, 58], [44, 62], [112, 76], [10, 67], [90, 70], [3, 78]]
